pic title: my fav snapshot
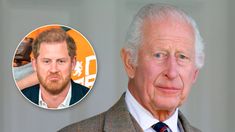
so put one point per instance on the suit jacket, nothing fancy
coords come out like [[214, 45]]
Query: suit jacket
[[78, 91], [118, 119]]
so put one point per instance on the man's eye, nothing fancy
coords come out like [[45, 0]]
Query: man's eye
[[61, 61], [160, 55], [46, 61], [181, 56]]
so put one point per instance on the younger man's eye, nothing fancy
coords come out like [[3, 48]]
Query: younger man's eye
[[46, 61], [61, 61]]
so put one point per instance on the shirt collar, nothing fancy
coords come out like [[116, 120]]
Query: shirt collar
[[64, 104], [144, 118]]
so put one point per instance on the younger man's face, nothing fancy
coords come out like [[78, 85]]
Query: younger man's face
[[54, 66]]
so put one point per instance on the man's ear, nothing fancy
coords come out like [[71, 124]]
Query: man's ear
[[196, 72], [128, 65], [74, 62], [34, 62]]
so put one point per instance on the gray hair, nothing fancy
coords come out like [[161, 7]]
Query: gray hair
[[160, 11]]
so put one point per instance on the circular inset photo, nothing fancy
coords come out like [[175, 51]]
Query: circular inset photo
[[54, 67]]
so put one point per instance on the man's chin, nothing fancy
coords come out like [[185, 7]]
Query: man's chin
[[54, 88], [166, 104]]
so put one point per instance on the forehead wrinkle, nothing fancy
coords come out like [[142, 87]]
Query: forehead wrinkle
[[54, 58], [154, 29], [169, 45], [169, 41], [153, 36]]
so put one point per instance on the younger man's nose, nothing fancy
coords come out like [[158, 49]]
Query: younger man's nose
[[54, 67]]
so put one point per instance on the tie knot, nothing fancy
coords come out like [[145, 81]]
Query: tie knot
[[161, 127]]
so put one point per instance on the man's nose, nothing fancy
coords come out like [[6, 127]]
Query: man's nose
[[54, 67], [171, 71]]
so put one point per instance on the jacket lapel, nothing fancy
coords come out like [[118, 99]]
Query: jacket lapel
[[119, 119], [184, 125]]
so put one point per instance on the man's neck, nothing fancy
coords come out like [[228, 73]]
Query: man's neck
[[144, 117], [53, 101], [161, 115]]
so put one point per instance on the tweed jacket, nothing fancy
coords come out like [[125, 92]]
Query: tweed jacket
[[118, 119]]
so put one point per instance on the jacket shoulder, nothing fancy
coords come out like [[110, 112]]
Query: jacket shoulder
[[194, 129], [79, 88], [78, 92], [185, 125], [93, 124], [32, 93], [117, 118], [31, 89]]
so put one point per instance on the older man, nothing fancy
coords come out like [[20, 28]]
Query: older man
[[162, 58]]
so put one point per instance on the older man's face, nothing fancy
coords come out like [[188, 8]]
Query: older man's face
[[166, 68]]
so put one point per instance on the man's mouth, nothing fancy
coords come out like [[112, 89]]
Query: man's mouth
[[54, 78], [169, 89]]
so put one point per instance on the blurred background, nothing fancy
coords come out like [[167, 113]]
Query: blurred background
[[104, 23]]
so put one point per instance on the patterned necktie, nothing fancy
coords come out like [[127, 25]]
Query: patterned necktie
[[161, 127]]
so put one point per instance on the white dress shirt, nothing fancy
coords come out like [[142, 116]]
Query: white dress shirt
[[64, 104], [144, 118]]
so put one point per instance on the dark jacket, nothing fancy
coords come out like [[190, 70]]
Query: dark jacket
[[78, 92]]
